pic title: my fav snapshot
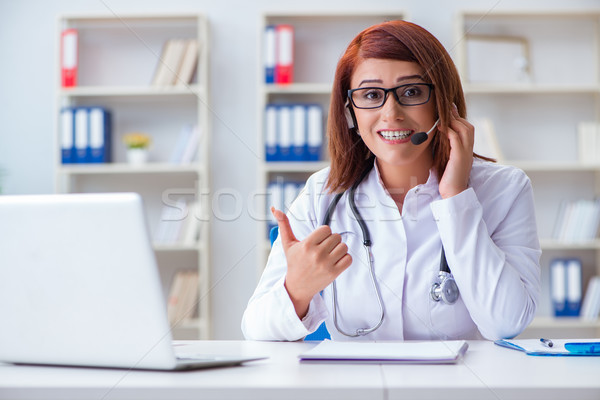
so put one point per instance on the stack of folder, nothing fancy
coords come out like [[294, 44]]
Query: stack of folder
[[293, 132], [85, 135]]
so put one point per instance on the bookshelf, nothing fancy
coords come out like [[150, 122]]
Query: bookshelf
[[555, 85], [315, 60], [117, 59]]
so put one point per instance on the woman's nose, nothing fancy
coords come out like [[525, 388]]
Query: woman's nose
[[391, 109]]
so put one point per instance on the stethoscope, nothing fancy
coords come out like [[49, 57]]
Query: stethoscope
[[443, 289]]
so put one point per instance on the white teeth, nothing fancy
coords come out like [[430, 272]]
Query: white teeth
[[395, 135]]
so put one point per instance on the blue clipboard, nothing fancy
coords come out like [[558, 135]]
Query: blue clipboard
[[559, 347]]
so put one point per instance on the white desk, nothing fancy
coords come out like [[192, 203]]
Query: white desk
[[486, 372]]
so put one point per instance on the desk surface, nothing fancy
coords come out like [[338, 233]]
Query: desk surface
[[486, 372]]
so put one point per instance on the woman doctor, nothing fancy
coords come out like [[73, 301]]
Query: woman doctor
[[402, 159]]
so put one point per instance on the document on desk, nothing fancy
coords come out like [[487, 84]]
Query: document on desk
[[430, 352], [554, 347]]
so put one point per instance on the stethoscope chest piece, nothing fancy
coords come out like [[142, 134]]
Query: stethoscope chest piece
[[445, 289]]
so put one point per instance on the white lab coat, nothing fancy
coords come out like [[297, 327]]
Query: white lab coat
[[490, 238]]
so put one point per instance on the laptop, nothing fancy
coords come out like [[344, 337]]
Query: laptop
[[80, 286]]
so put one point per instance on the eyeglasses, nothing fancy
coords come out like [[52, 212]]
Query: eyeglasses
[[412, 94]]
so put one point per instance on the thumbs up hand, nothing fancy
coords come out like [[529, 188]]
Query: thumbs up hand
[[313, 263]]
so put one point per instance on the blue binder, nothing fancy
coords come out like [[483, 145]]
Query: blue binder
[[314, 132], [566, 286], [99, 135], [67, 135], [284, 132], [82, 126], [271, 140], [299, 133], [269, 55]]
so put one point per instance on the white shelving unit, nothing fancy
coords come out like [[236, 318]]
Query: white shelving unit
[[536, 120], [117, 59], [315, 60]]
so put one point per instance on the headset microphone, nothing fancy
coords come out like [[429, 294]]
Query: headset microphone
[[420, 137]]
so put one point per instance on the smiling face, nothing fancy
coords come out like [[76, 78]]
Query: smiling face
[[387, 130]]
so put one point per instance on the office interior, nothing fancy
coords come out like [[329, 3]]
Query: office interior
[[30, 99]]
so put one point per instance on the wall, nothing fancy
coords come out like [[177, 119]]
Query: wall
[[27, 104]]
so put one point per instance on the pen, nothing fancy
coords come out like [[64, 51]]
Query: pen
[[547, 342]]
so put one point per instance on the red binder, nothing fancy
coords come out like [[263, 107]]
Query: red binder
[[284, 65], [68, 58]]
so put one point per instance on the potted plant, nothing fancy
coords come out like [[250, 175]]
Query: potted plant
[[137, 144]]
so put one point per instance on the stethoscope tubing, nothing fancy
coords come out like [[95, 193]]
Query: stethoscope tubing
[[367, 245], [444, 268]]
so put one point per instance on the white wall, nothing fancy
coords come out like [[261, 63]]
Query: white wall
[[27, 103]]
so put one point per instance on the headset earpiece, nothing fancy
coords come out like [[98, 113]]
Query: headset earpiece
[[350, 117]]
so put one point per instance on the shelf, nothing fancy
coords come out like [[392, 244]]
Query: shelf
[[99, 91], [295, 166], [552, 166], [299, 88], [124, 168], [194, 324], [553, 244], [523, 81], [563, 322], [315, 63], [177, 247], [117, 58], [528, 88]]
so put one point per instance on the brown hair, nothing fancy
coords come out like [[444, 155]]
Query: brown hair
[[394, 40]]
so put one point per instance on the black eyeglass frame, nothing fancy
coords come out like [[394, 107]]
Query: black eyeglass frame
[[394, 91]]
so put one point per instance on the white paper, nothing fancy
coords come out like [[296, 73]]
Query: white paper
[[429, 352]]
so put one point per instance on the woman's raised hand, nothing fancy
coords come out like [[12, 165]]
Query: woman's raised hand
[[456, 176], [313, 263]]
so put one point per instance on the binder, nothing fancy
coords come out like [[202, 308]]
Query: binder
[[290, 192], [269, 55], [299, 133], [284, 64], [275, 199], [67, 133], [558, 286], [99, 135], [565, 285], [590, 307], [573, 297], [271, 145], [81, 135], [315, 132], [284, 130], [69, 57], [280, 194]]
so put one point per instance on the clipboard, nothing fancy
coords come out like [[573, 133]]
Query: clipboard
[[417, 352], [560, 347]]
